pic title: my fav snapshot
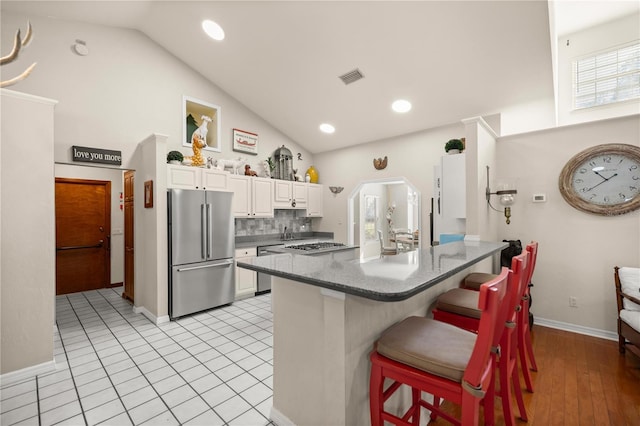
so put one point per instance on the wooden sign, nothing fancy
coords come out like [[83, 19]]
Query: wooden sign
[[96, 155]]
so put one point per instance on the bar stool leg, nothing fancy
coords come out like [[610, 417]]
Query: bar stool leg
[[376, 395]]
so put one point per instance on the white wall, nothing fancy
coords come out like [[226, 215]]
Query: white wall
[[117, 215], [591, 41], [125, 89], [28, 238], [410, 156], [577, 250]]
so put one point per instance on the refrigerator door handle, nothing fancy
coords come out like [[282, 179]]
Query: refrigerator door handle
[[203, 225], [224, 263], [209, 231]]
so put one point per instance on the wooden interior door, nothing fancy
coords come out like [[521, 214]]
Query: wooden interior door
[[128, 236], [83, 229]]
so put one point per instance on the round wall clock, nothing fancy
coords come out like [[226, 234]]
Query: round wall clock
[[604, 179]]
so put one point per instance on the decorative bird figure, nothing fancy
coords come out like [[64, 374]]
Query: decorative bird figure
[[380, 163]]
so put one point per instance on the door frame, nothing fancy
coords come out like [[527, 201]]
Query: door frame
[[107, 185], [129, 197]]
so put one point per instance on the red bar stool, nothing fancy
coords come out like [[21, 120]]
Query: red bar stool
[[442, 360], [456, 307], [525, 346]]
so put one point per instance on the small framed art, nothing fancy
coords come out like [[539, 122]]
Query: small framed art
[[244, 141], [148, 194]]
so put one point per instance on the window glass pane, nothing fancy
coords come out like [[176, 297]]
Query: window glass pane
[[607, 77], [370, 217]]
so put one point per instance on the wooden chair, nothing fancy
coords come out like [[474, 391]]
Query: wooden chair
[[457, 307], [627, 282], [525, 345], [403, 239], [386, 250], [440, 359]]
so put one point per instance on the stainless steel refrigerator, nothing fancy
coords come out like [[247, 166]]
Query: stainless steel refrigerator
[[201, 249]]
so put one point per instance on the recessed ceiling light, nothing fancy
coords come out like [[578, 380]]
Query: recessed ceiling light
[[213, 30], [401, 106], [327, 128]]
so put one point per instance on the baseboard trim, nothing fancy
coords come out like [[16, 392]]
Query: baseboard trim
[[280, 419], [27, 373], [156, 320], [114, 285], [573, 328]]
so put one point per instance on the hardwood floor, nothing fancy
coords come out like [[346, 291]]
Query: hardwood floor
[[581, 380]]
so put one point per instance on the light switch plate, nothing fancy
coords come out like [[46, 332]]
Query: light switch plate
[[539, 198]]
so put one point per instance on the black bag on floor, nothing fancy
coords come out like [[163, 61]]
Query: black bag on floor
[[514, 249]]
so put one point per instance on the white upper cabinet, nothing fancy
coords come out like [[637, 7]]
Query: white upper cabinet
[[314, 200], [289, 195], [252, 196], [186, 177], [454, 201], [300, 194]]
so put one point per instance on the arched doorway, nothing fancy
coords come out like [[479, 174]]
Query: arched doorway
[[381, 204]]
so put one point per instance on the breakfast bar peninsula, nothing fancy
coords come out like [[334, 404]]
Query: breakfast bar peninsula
[[328, 312]]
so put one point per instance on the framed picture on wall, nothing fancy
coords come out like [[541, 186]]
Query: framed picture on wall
[[244, 141], [202, 119], [148, 194]]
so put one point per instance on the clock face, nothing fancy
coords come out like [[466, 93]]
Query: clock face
[[604, 179]]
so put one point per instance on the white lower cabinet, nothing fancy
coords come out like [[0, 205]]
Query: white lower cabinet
[[246, 280]]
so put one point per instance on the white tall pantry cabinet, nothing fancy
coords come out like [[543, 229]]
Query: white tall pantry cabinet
[[27, 235], [449, 203]]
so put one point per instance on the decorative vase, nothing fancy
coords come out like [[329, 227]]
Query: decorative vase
[[453, 151], [313, 174], [175, 162]]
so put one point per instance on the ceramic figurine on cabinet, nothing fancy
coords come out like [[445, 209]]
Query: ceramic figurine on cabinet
[[235, 165], [248, 171], [267, 166], [199, 141]]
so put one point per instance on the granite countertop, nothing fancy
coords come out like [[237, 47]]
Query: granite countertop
[[388, 279]]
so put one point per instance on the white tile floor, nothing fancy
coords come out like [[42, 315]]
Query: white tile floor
[[114, 367]]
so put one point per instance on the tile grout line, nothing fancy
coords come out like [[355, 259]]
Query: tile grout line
[[75, 387], [128, 355], [168, 363], [38, 400], [96, 319], [236, 363], [99, 360]]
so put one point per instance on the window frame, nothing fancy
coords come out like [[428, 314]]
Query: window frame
[[593, 55]]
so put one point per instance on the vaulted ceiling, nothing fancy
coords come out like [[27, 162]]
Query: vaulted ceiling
[[450, 59]]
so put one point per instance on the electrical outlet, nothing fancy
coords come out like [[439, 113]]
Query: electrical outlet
[[573, 302]]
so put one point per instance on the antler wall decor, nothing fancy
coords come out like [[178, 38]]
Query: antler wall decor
[[18, 44], [380, 163]]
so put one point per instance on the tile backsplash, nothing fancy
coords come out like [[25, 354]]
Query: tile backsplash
[[294, 220]]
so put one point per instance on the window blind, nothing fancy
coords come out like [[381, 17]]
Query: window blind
[[607, 77]]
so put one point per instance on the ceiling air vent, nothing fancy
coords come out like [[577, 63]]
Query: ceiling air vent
[[351, 76]]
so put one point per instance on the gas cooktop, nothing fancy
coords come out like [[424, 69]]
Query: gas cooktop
[[319, 246]]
